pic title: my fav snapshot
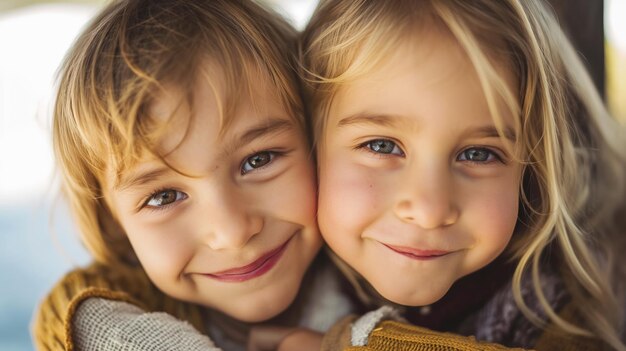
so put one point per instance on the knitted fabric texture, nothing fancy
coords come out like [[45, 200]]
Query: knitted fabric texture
[[362, 328], [391, 335], [52, 327], [503, 322], [499, 325], [102, 324]]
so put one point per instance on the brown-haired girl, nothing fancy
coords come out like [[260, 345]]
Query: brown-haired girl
[[180, 136]]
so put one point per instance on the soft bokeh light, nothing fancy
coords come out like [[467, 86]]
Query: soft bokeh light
[[37, 238], [615, 19], [615, 29], [296, 10], [33, 42]]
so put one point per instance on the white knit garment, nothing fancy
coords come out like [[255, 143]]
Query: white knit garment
[[363, 327], [101, 324], [108, 325]]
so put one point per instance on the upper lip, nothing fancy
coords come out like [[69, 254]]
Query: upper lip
[[417, 252], [253, 265]]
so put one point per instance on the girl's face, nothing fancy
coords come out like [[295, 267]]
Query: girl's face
[[237, 232], [416, 187]]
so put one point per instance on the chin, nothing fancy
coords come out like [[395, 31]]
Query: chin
[[256, 314], [413, 296], [262, 308]]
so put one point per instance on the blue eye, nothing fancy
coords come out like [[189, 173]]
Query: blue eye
[[164, 198], [479, 155], [383, 146], [257, 161]]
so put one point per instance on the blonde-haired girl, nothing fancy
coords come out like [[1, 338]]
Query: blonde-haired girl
[[467, 168], [180, 136]]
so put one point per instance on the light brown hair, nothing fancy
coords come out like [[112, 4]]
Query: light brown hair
[[123, 59]]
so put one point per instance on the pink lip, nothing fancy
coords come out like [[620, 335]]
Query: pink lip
[[417, 254], [255, 269]]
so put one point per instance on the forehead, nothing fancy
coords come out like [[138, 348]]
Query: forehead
[[214, 102], [210, 120], [428, 68], [411, 96]]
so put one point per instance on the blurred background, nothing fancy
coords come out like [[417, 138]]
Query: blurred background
[[38, 241]]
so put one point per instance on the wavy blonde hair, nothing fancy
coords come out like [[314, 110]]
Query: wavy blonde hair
[[574, 191], [123, 60]]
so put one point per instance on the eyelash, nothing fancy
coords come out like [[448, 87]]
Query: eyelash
[[366, 146], [491, 152], [182, 196], [273, 156], [144, 204]]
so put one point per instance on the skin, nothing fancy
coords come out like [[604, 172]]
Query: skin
[[238, 199], [416, 188]]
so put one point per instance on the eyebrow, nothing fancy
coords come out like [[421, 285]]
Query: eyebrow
[[268, 127], [492, 132], [487, 131], [141, 177], [370, 119]]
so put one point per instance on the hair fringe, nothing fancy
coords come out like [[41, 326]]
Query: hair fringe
[[124, 59]]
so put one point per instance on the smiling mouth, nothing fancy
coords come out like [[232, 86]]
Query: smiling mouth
[[416, 254], [250, 271]]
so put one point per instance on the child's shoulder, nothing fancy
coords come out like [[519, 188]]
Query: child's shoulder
[[502, 321], [52, 322], [98, 280], [52, 325]]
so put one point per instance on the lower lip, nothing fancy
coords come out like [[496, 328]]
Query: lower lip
[[418, 255], [268, 263]]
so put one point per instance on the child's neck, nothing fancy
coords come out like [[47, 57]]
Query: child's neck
[[464, 298], [234, 333]]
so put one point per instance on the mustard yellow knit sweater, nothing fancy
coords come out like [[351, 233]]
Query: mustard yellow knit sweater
[[396, 336], [52, 329], [53, 322]]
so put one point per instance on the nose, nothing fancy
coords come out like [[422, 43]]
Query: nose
[[230, 222], [427, 198]]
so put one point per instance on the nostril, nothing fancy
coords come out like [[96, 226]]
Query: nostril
[[426, 214]]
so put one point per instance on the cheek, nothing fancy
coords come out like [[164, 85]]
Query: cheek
[[162, 248], [349, 197], [294, 196], [494, 216], [502, 212]]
